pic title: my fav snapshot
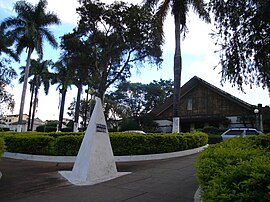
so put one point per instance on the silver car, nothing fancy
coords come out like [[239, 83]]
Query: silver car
[[237, 132]]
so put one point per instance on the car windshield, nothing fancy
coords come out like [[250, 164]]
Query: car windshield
[[234, 132]]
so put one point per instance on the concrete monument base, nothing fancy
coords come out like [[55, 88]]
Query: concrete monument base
[[76, 181]]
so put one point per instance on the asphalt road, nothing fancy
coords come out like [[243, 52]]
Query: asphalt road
[[154, 181]]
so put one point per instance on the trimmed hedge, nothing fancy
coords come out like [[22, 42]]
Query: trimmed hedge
[[122, 143], [29, 144], [237, 169], [68, 145], [2, 146]]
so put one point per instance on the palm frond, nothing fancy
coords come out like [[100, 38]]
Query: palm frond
[[199, 7]]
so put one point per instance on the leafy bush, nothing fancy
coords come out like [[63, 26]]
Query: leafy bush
[[136, 143], [4, 129], [29, 144], [122, 143], [213, 139], [67, 129], [210, 130], [68, 145], [59, 134], [46, 128], [237, 169], [2, 146], [214, 134]]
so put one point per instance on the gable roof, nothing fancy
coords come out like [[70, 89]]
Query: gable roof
[[193, 83]]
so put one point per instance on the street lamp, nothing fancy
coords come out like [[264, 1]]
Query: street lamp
[[256, 111]]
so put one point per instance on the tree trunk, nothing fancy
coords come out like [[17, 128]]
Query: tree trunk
[[62, 106], [177, 76], [34, 107], [30, 107], [26, 74], [77, 109], [86, 109]]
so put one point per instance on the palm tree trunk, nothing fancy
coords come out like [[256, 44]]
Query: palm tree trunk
[[61, 113], [34, 107], [177, 76], [30, 107], [20, 120], [77, 109]]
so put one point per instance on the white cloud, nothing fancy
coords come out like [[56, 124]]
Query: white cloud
[[197, 40], [65, 9]]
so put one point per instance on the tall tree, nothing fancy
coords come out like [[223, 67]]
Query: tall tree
[[179, 11], [63, 77], [137, 99], [5, 45], [76, 51], [243, 35], [117, 36], [29, 30], [39, 70], [84, 105], [7, 73], [157, 92]]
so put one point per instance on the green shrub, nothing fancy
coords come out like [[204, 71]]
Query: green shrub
[[29, 144], [68, 145], [59, 134], [46, 128], [4, 129], [210, 130], [67, 129], [136, 143], [213, 139], [2, 146], [237, 169]]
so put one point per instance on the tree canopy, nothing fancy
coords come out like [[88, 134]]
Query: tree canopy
[[7, 73], [243, 34], [114, 37]]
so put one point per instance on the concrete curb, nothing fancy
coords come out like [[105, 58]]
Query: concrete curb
[[197, 196], [71, 159]]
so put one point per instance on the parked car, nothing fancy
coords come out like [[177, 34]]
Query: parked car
[[237, 132]]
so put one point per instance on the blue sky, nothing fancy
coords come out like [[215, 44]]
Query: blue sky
[[197, 54]]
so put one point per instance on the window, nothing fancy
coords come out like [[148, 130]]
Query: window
[[251, 132], [235, 132], [189, 103]]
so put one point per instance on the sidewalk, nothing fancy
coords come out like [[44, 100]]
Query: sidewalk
[[158, 181]]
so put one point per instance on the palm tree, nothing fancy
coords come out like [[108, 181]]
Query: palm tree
[[179, 10], [41, 76], [29, 30], [63, 77], [6, 43]]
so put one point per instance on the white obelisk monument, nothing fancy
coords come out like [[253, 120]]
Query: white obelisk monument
[[95, 161]]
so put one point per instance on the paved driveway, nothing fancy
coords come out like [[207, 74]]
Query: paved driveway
[[162, 180]]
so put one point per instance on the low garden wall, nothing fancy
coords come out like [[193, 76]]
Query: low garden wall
[[237, 169], [68, 144]]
